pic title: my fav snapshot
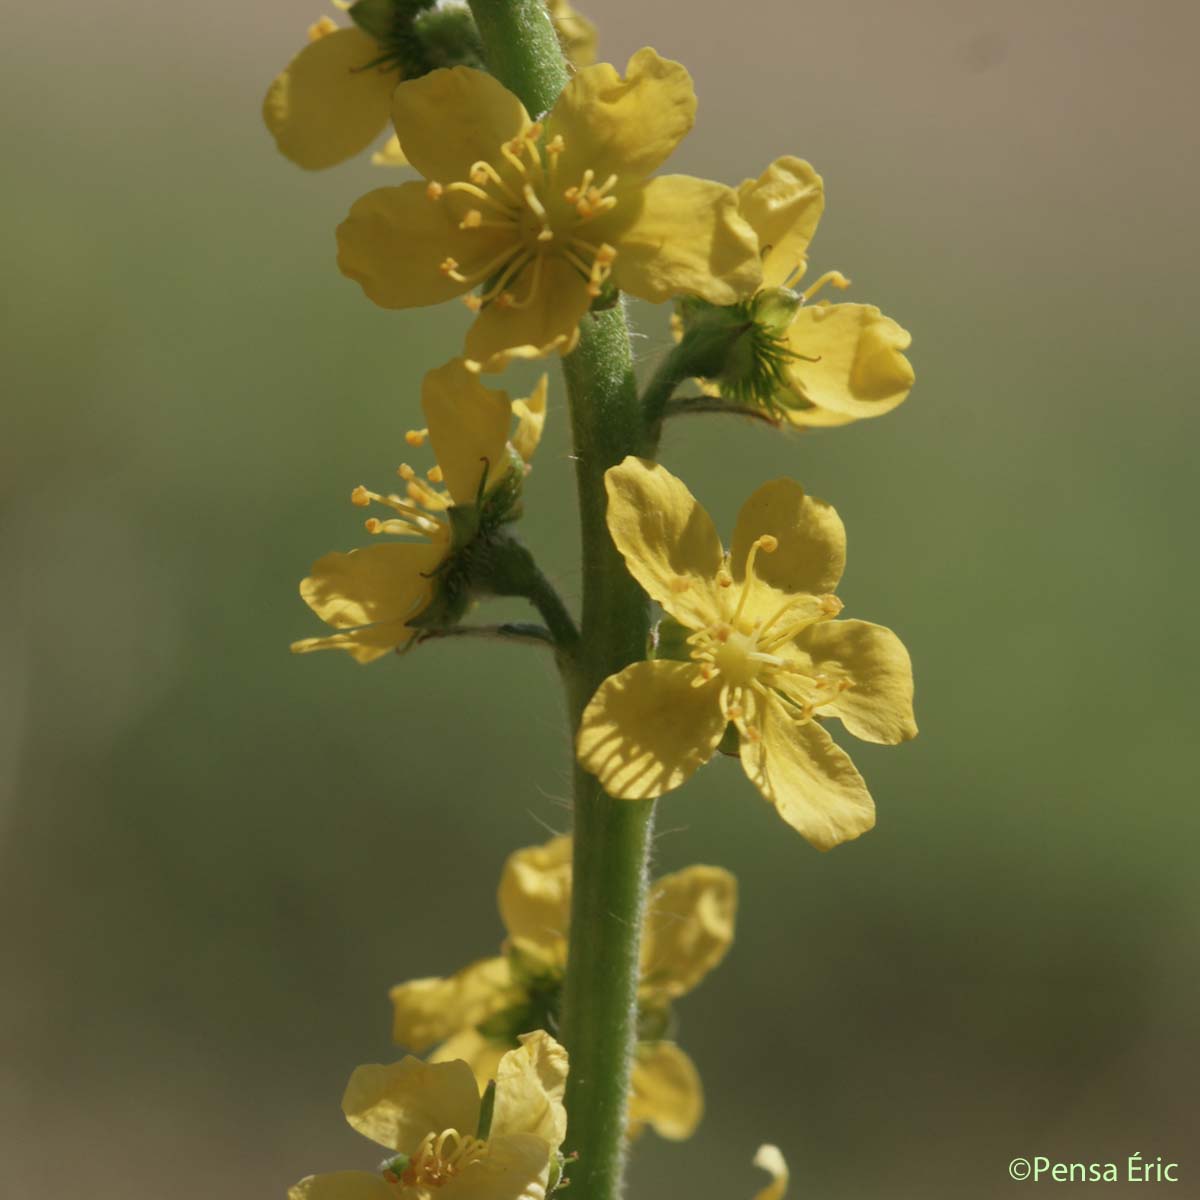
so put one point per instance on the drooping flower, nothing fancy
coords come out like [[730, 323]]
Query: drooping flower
[[372, 595], [478, 1013], [769, 1158], [428, 1115], [541, 216], [818, 363], [764, 655]]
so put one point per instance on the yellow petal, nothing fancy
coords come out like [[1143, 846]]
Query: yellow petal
[[516, 1166], [576, 34], [529, 1090], [665, 1092], [323, 109], [807, 777], [878, 707], [531, 420], [481, 1054], [342, 1185], [397, 1105], [363, 645], [687, 930], [557, 298], [769, 1159], [425, 1011], [394, 241], [860, 370], [453, 118], [811, 553], [535, 898], [381, 583], [783, 206], [624, 127], [669, 542], [389, 154], [468, 427], [648, 729], [687, 238]]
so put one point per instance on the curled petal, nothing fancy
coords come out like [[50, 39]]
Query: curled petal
[[535, 898], [531, 420], [529, 1090], [425, 1011], [363, 645], [783, 206], [648, 728], [481, 1054], [324, 108], [665, 1092]]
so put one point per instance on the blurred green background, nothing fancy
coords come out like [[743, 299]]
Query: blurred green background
[[216, 857]]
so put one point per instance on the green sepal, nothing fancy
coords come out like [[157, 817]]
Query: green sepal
[[610, 294], [375, 17], [396, 1165], [502, 501], [449, 38], [487, 1106], [557, 1165]]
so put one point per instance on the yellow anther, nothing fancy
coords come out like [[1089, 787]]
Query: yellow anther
[[721, 633], [434, 474], [734, 713], [606, 255], [448, 266], [321, 28], [680, 584], [360, 497], [372, 525], [556, 145], [724, 579], [831, 279], [751, 734], [831, 605], [768, 542], [480, 174], [416, 437], [473, 302], [406, 472], [434, 190], [533, 132], [472, 220]]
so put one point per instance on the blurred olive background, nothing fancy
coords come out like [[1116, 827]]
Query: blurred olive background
[[216, 857]]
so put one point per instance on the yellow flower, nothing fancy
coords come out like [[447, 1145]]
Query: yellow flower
[[769, 1159], [477, 1013], [428, 1114], [333, 99], [845, 361], [372, 594], [541, 215], [764, 655]]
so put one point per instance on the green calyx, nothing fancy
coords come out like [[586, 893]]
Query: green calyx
[[415, 37]]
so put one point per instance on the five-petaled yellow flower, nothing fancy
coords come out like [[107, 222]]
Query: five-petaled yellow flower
[[765, 655], [541, 215], [428, 1114], [370, 595], [477, 1013], [847, 360]]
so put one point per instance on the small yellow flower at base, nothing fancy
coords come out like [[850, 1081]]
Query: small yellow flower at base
[[769, 1159], [541, 216], [428, 1115], [371, 595], [477, 1013], [333, 99], [846, 360], [765, 656]]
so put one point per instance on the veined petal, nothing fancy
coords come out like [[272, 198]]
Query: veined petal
[[481, 1054], [668, 541], [374, 584], [342, 1185], [811, 553], [468, 426], [860, 370], [531, 419], [648, 728], [809, 779], [687, 237], [557, 301], [395, 239], [363, 645], [769, 1159], [535, 897], [665, 1092], [516, 1166], [389, 154], [425, 1011], [878, 706], [397, 1105], [783, 206], [453, 118], [687, 930], [323, 108], [624, 127], [529, 1090]]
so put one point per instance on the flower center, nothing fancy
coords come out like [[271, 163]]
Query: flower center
[[419, 511], [534, 214], [439, 1158]]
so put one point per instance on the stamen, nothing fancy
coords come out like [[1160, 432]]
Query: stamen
[[435, 474], [472, 220], [360, 497], [321, 28], [477, 193], [416, 437], [434, 190], [832, 279], [766, 542]]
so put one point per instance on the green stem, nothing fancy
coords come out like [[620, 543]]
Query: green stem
[[684, 406], [672, 371], [612, 837], [512, 631]]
